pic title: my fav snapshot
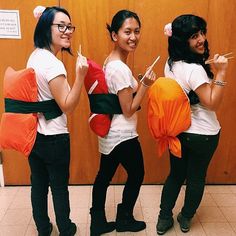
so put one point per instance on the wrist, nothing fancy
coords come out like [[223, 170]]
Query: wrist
[[219, 82], [221, 73], [145, 85]]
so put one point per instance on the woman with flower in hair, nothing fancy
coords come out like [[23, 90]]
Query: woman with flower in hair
[[50, 157], [188, 52]]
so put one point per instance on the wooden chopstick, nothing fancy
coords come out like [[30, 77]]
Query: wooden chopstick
[[150, 68], [225, 55], [80, 50]]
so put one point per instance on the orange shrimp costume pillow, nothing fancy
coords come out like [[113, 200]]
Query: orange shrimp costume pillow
[[169, 114], [18, 131], [95, 83]]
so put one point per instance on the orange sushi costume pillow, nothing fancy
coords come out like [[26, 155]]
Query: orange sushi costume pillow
[[18, 131], [18, 127], [169, 114]]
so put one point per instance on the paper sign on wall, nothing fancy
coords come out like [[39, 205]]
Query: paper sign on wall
[[10, 24]]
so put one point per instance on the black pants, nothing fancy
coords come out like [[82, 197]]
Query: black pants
[[197, 151], [49, 163], [129, 155]]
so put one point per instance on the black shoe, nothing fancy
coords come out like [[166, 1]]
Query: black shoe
[[99, 224], [71, 231], [125, 221], [49, 231], [130, 225], [184, 223], [163, 225]]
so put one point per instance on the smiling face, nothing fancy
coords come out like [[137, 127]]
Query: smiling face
[[60, 39], [196, 42], [128, 35]]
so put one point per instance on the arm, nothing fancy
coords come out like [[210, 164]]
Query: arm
[[210, 95], [68, 99], [130, 104]]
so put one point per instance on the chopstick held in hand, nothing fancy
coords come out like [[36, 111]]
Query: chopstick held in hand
[[150, 68], [227, 55]]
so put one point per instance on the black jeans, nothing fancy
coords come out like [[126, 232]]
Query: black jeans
[[197, 151], [129, 155], [49, 163]]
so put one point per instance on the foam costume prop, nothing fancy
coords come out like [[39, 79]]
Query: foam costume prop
[[102, 104], [169, 114], [18, 127]]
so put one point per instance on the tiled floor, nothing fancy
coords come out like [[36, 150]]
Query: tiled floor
[[216, 215]]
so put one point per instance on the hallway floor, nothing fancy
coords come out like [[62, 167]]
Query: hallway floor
[[215, 217]]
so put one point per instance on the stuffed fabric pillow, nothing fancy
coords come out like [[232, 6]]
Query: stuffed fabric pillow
[[95, 83], [169, 114], [18, 131]]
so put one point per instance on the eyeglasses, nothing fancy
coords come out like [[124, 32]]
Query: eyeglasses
[[63, 28]]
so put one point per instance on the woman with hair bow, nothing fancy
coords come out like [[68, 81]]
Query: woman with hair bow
[[187, 64], [50, 158]]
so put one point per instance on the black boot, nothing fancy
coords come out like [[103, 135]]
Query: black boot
[[125, 221], [71, 231], [163, 225], [47, 232], [184, 223], [99, 224]]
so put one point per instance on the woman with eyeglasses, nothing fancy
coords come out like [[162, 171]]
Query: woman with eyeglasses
[[50, 158]]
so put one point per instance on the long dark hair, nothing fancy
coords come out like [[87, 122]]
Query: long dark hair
[[183, 27], [43, 33], [118, 20]]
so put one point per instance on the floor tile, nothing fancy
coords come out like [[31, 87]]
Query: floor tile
[[224, 199], [210, 215], [218, 189], [233, 226], [213, 229], [207, 200], [233, 188], [16, 217], [229, 213], [13, 230], [8, 190], [215, 216], [2, 213], [195, 230], [150, 214], [6, 201]]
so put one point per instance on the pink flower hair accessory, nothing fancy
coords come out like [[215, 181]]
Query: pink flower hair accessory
[[168, 30], [38, 11]]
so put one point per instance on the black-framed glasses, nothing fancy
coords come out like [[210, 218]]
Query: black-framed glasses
[[63, 28]]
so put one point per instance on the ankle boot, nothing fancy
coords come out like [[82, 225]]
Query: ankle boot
[[125, 221], [99, 224], [184, 223]]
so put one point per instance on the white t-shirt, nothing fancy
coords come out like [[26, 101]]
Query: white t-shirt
[[190, 76], [119, 76], [47, 66]]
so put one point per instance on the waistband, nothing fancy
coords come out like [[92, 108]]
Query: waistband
[[51, 137]]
